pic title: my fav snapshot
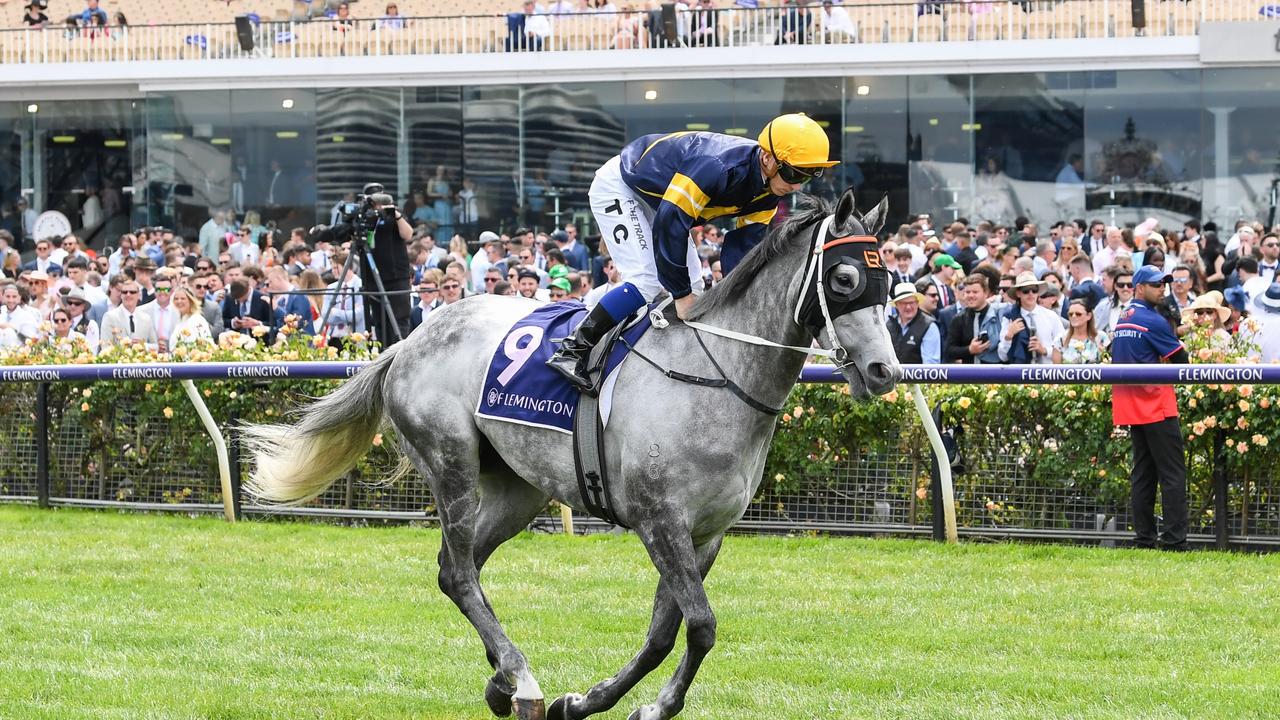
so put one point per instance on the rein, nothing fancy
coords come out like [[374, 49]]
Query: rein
[[838, 354]]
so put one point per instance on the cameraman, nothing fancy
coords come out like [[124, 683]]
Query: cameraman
[[390, 234]]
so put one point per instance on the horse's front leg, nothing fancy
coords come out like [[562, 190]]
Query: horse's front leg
[[658, 644], [672, 550]]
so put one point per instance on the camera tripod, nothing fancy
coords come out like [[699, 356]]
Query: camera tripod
[[360, 248]]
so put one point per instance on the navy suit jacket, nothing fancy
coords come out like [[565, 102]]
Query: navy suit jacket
[[259, 309], [577, 257], [32, 266], [294, 305]]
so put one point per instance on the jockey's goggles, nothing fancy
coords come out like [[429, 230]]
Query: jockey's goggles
[[795, 176]]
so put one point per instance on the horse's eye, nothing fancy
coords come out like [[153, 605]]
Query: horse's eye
[[844, 281]]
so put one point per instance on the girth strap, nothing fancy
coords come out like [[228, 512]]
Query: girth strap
[[589, 460]]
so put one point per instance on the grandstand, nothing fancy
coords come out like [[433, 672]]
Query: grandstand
[[202, 29]]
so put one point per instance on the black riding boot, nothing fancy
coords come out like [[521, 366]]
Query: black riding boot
[[575, 351]]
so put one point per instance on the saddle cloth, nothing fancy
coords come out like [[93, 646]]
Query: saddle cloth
[[520, 388]]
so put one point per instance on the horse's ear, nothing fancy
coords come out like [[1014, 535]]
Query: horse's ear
[[873, 221], [844, 211]]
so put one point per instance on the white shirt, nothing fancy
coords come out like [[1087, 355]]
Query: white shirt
[[189, 330], [1268, 336], [836, 20], [593, 297], [1048, 327], [164, 319], [93, 295], [244, 253], [27, 322]]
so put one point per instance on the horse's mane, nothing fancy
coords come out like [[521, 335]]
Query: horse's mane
[[807, 210]]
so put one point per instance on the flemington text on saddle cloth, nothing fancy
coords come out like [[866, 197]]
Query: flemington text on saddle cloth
[[518, 385]]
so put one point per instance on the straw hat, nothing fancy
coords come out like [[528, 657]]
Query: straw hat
[[1027, 279], [1211, 300], [905, 291]]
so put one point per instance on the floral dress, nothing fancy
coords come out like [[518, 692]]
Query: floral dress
[[1081, 352]]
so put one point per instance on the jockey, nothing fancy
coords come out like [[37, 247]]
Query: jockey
[[646, 198]]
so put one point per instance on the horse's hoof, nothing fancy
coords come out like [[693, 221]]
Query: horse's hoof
[[498, 699], [648, 712], [527, 709], [559, 709]]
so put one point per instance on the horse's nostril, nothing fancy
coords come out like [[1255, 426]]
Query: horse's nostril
[[881, 373]]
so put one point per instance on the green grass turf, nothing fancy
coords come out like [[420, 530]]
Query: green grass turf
[[106, 615]]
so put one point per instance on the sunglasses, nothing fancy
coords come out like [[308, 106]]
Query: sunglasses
[[128, 292], [1206, 311], [1075, 314], [201, 286], [493, 280], [556, 294], [1181, 281], [1124, 284], [1154, 285], [1270, 245], [933, 295], [163, 290], [429, 290], [450, 287], [61, 320]]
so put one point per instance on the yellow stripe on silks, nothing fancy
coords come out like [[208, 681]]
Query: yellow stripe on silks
[[764, 217], [685, 194], [712, 213], [664, 137]]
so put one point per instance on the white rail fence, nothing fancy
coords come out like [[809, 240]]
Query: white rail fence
[[853, 22]]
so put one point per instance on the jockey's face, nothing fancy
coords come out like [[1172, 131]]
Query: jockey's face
[[777, 186]]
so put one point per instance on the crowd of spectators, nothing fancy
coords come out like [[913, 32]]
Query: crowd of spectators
[[162, 290], [965, 292], [984, 293]]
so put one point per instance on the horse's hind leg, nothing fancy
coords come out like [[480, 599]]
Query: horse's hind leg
[[451, 466], [658, 644], [507, 505]]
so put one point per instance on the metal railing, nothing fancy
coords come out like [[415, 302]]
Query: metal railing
[[852, 23], [139, 459]]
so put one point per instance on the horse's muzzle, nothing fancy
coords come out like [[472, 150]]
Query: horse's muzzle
[[881, 377]]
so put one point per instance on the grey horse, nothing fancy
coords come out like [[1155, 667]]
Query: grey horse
[[684, 461]]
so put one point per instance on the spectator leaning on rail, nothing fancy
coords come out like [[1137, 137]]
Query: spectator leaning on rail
[[1151, 412]]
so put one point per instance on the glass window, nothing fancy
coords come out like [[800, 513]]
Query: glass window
[[874, 151], [434, 119], [1028, 132], [1241, 166], [13, 117], [81, 165], [940, 147], [189, 172], [569, 131], [1142, 147]]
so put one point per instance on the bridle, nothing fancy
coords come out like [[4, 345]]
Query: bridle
[[814, 310]]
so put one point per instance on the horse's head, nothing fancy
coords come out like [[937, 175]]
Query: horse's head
[[854, 287]]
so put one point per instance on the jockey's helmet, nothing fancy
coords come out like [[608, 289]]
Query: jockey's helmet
[[797, 140]]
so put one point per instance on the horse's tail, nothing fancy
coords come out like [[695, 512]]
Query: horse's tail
[[295, 463]]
